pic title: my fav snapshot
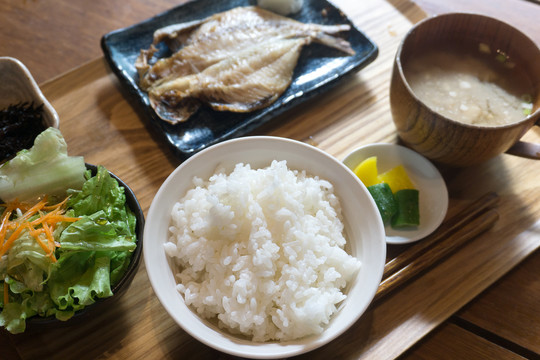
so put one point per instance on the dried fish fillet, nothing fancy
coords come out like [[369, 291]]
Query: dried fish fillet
[[219, 36], [204, 49], [251, 80]]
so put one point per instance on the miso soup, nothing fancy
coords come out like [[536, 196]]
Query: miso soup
[[477, 88]]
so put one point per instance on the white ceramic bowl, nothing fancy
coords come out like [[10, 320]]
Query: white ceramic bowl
[[18, 86], [366, 238]]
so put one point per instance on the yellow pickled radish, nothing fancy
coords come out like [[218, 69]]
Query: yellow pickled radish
[[367, 171], [396, 178]]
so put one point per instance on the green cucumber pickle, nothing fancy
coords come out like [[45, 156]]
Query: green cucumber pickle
[[408, 212], [386, 203]]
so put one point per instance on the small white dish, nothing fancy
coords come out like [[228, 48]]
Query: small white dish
[[433, 192], [18, 86]]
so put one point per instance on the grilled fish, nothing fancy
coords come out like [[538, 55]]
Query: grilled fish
[[252, 79], [205, 47]]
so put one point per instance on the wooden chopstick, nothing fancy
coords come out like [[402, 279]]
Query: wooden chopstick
[[483, 203], [446, 246], [467, 224]]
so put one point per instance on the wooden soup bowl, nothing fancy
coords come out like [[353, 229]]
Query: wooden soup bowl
[[448, 141]]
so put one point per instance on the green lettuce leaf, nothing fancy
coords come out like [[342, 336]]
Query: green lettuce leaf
[[94, 233], [103, 193], [96, 250], [13, 317], [119, 263], [79, 278], [23, 304], [26, 260]]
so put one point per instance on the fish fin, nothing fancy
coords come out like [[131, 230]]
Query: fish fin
[[142, 63], [175, 35], [244, 107], [175, 113]]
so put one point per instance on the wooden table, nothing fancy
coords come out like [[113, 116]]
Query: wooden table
[[479, 303]]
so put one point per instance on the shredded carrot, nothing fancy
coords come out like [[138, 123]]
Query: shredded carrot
[[56, 206], [12, 238], [35, 234], [13, 205], [44, 217], [50, 238], [33, 210], [6, 293], [4, 226], [51, 218], [44, 224]]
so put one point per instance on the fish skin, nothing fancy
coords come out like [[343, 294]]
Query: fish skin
[[203, 43], [223, 61], [251, 80]]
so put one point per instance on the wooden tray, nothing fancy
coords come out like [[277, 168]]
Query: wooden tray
[[101, 124]]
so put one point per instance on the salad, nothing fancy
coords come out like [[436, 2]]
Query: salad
[[66, 236]]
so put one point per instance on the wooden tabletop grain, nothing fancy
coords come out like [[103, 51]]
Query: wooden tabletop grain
[[479, 303]]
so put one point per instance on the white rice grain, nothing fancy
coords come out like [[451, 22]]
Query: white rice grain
[[261, 251]]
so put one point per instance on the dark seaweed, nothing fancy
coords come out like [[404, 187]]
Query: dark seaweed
[[20, 124]]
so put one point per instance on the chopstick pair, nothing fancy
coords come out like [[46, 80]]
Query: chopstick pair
[[476, 218]]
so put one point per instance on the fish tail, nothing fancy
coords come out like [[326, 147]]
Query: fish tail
[[334, 42], [333, 29]]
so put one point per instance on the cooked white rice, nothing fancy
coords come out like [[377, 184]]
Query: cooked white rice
[[262, 251]]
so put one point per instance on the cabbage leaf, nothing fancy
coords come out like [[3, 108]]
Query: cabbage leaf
[[45, 168]]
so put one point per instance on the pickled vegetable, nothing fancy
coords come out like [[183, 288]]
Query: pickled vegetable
[[367, 171], [397, 178], [393, 191], [384, 198], [407, 214]]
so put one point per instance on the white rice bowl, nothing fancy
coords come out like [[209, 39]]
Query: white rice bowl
[[289, 270]]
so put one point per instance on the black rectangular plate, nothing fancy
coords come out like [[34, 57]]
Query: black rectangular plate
[[318, 68]]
